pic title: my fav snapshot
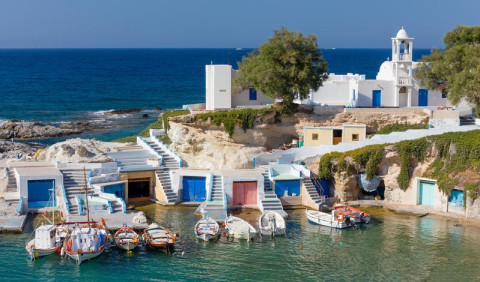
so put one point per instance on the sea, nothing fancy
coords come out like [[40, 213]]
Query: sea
[[63, 85], [393, 247]]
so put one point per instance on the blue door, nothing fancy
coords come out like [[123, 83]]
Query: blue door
[[194, 189], [253, 94], [422, 97], [427, 193], [292, 187], [456, 198], [376, 98], [40, 193], [117, 189]]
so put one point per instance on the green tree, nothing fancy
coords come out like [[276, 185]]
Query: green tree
[[286, 65], [456, 69]]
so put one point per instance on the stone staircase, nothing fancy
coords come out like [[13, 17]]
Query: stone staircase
[[168, 160], [217, 189], [467, 120], [215, 207], [132, 158], [313, 194], [163, 176], [74, 182], [12, 181], [270, 201]]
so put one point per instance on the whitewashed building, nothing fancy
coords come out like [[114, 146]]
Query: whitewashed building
[[394, 86]]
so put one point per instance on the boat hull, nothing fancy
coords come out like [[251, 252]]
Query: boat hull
[[206, 237], [81, 257], [277, 232], [243, 236], [38, 253], [128, 246], [327, 220]]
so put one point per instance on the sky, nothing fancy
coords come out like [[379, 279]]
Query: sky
[[225, 23]]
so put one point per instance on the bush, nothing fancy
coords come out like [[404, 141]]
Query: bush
[[245, 118], [401, 127]]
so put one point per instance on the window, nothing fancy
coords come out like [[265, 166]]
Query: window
[[253, 94], [355, 137], [314, 136], [444, 94]]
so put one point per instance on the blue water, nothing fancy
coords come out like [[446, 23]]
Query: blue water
[[72, 84], [392, 247]]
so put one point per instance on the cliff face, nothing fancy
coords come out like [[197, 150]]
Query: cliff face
[[206, 145]]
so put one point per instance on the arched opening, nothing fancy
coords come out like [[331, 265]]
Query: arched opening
[[402, 96], [403, 90]]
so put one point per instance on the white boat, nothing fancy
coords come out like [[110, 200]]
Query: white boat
[[271, 223], [126, 238], [239, 228], [159, 237], [86, 242], [332, 220], [206, 229], [48, 237]]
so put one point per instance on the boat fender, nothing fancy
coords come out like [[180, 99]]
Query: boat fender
[[62, 251]]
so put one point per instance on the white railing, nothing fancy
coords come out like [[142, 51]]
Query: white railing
[[167, 150], [404, 80]]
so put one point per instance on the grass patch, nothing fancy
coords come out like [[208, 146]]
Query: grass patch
[[401, 127], [163, 119]]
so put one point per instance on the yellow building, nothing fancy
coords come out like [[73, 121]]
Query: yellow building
[[332, 135]]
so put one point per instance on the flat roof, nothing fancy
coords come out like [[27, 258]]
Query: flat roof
[[38, 171], [241, 173]]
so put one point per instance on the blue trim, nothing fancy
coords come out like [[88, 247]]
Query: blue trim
[[253, 162], [67, 205], [20, 206]]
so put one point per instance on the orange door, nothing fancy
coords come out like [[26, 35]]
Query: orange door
[[245, 193]]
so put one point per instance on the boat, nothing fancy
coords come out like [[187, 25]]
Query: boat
[[49, 237], [86, 241], [127, 239], [271, 223], [333, 220], [358, 215], [206, 229], [159, 237], [239, 228]]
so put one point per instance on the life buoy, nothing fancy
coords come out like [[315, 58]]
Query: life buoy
[[340, 217]]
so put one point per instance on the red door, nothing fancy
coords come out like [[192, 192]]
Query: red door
[[244, 193]]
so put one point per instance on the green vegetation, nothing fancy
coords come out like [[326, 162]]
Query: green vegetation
[[456, 152], [401, 127], [470, 189], [245, 118], [163, 119], [455, 70], [166, 115], [287, 65]]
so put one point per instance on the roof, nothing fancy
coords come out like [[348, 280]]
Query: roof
[[38, 171], [402, 34]]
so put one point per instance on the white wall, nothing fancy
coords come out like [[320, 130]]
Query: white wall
[[229, 180], [176, 177], [332, 93], [218, 87], [365, 95]]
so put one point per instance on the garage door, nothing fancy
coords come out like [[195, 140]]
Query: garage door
[[287, 187], [427, 193], [245, 193], [40, 193], [194, 189], [138, 188]]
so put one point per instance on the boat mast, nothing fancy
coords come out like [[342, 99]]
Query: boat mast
[[86, 195], [53, 203]]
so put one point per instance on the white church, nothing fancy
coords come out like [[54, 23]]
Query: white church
[[394, 86]]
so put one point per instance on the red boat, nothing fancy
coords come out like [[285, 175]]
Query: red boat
[[358, 215]]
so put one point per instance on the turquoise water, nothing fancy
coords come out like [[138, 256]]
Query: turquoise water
[[393, 248]]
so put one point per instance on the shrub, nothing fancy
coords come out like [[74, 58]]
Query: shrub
[[401, 127]]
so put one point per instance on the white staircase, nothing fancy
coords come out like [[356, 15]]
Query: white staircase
[[270, 201], [163, 176], [169, 160], [313, 194], [12, 181], [73, 181], [216, 206], [134, 158]]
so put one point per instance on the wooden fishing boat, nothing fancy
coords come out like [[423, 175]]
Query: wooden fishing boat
[[332, 220], [239, 228], [206, 229], [358, 215], [159, 237], [271, 223], [88, 241], [126, 238]]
